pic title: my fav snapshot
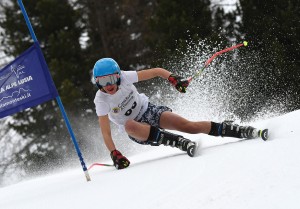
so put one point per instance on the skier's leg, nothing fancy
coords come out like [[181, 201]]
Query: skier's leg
[[137, 130], [172, 121], [145, 134]]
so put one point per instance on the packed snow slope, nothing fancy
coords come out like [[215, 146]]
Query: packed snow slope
[[229, 173]]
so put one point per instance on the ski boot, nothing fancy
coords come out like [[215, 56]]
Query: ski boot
[[172, 140], [234, 130], [247, 132]]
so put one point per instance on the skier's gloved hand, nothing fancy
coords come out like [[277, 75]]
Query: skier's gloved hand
[[119, 160], [179, 82]]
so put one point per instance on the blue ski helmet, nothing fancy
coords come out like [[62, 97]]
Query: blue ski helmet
[[106, 66]]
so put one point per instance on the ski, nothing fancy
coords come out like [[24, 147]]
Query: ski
[[264, 134]]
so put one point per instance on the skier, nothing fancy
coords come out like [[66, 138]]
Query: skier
[[119, 101]]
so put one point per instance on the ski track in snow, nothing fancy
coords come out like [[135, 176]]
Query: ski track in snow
[[229, 173]]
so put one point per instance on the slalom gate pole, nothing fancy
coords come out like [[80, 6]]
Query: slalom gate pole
[[99, 164], [245, 43], [58, 100]]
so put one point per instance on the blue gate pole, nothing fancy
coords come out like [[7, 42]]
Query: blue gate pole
[[58, 100]]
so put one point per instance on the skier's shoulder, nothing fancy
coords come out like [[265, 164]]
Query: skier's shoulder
[[100, 96], [129, 76]]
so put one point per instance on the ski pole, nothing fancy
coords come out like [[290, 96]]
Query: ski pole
[[245, 43]]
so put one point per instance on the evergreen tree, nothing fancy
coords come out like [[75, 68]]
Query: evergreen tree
[[117, 29], [273, 29], [176, 23]]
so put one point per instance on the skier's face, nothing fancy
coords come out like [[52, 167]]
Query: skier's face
[[111, 89]]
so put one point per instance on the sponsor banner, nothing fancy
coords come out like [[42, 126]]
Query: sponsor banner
[[25, 82]]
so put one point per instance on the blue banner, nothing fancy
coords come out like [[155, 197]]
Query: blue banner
[[25, 82]]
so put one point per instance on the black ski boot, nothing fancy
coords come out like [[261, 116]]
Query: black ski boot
[[233, 130], [173, 140], [159, 136]]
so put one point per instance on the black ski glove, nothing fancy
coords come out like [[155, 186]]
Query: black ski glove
[[180, 83], [119, 160]]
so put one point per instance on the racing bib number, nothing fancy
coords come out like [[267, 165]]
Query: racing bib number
[[128, 112]]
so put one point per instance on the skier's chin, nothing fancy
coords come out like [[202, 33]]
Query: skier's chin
[[111, 89]]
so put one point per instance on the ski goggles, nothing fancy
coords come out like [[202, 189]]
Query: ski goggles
[[108, 80]]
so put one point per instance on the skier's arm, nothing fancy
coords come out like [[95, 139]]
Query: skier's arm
[[106, 132], [119, 160], [177, 81], [152, 73]]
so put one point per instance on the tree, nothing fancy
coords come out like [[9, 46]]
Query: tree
[[117, 29], [273, 29], [177, 22]]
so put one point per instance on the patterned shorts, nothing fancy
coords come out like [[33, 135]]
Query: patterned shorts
[[151, 117]]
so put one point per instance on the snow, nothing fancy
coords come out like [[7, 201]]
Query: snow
[[229, 173]]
